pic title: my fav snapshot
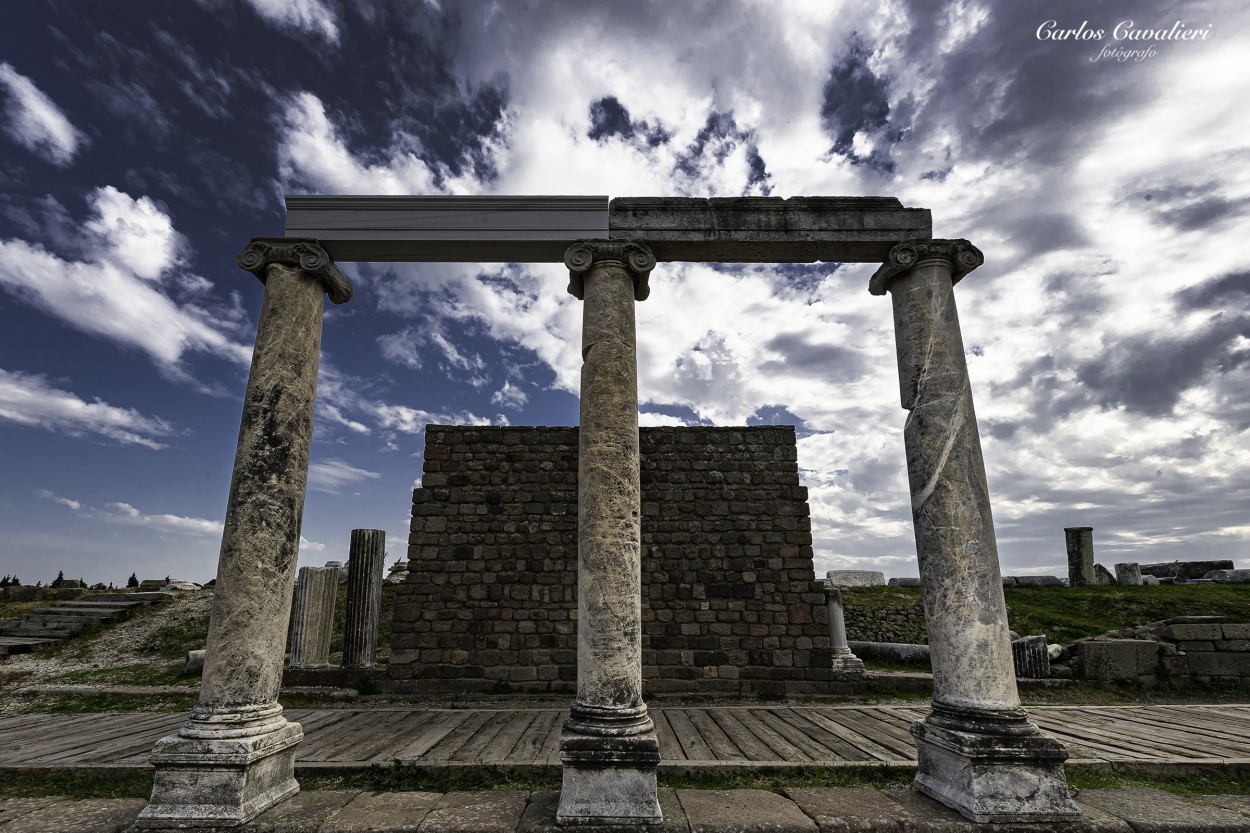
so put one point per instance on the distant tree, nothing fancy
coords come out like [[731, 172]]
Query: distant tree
[[59, 580], [17, 582], [39, 584], [4, 582], [133, 581], [110, 587], [82, 581], [167, 579]]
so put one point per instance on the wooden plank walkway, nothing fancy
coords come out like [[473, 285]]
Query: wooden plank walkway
[[697, 738]]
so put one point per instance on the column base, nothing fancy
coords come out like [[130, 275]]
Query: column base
[[847, 665], [218, 773], [609, 758], [992, 766]]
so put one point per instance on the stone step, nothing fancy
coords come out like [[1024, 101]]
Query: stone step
[[39, 620], [99, 614], [146, 598], [10, 645], [40, 633]]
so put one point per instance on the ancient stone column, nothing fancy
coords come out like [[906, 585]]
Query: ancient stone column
[[977, 750], [313, 619], [1080, 543], [844, 660], [235, 756], [608, 745], [365, 563]]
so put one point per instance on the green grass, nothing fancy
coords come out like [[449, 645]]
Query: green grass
[[1065, 614], [1200, 783], [75, 783], [136, 674], [175, 639], [88, 703], [12, 610]]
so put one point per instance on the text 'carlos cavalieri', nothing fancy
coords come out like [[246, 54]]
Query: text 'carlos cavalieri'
[[1144, 38]]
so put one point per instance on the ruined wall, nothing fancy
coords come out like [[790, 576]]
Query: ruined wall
[[729, 600]]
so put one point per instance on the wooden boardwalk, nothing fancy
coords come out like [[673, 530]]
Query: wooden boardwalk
[[690, 738]]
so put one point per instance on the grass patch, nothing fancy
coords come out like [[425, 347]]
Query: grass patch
[[1199, 783], [1065, 614], [175, 639], [135, 674], [897, 666], [12, 610], [75, 783], [88, 703], [405, 777]]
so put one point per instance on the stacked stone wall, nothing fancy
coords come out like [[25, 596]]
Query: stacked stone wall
[[730, 604], [891, 623]]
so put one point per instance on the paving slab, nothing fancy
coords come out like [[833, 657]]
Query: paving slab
[[743, 811], [382, 813], [849, 809], [91, 815], [540, 816], [304, 812], [1236, 803], [13, 808], [1153, 811], [927, 815], [476, 812]]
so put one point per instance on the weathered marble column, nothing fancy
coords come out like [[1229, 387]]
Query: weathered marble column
[[365, 563], [1079, 541], [977, 750], [235, 756], [608, 746], [845, 662], [313, 619]]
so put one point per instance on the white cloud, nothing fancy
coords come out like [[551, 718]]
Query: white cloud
[[123, 513], [334, 475], [31, 400], [510, 396], [113, 293], [35, 122], [311, 16], [64, 501], [310, 546]]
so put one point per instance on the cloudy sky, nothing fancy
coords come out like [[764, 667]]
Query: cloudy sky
[[143, 143]]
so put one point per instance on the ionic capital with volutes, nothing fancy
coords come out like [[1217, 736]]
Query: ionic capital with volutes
[[634, 257], [304, 253], [962, 256]]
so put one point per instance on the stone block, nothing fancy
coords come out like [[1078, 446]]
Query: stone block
[[1195, 646], [1117, 659], [1236, 631], [476, 812], [98, 815], [1153, 811], [304, 812], [1219, 664], [540, 817], [195, 661], [1031, 658], [1039, 581], [852, 809], [856, 578], [904, 582], [382, 813], [743, 811], [1193, 633], [1229, 576], [1128, 574]]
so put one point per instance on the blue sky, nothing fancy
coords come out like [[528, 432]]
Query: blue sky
[[143, 144]]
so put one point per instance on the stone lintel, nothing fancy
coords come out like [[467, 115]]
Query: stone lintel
[[447, 229], [769, 229], [538, 229]]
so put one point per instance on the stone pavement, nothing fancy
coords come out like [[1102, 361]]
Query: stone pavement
[[800, 810]]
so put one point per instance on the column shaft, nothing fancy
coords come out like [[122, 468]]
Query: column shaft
[[365, 565], [844, 659], [235, 757], [608, 746], [976, 751], [313, 619]]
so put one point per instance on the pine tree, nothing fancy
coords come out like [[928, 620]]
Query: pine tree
[[133, 581], [59, 580]]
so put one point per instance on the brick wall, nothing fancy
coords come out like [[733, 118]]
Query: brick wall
[[729, 599]]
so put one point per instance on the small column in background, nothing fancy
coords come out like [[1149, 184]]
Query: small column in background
[[365, 564], [315, 591], [844, 661], [1080, 542]]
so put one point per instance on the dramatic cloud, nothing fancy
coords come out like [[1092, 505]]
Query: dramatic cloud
[[311, 16], [115, 292], [334, 475], [34, 121], [30, 400]]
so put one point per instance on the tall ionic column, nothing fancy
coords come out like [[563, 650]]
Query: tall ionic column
[[365, 563], [608, 746], [235, 755], [977, 750]]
